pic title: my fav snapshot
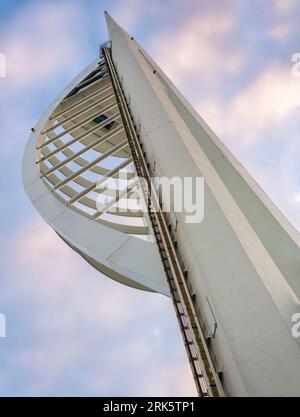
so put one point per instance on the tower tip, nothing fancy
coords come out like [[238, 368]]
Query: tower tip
[[112, 25]]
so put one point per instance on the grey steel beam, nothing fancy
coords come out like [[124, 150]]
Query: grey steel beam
[[121, 194], [91, 164], [82, 111], [97, 183], [82, 101], [83, 150], [83, 136], [76, 126], [98, 77]]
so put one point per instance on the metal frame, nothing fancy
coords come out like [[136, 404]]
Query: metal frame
[[105, 143], [206, 378]]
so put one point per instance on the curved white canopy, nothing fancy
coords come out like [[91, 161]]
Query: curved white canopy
[[57, 177]]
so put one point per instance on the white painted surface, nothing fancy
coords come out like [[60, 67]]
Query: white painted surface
[[245, 256]]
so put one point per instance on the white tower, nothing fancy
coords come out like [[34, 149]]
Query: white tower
[[234, 277]]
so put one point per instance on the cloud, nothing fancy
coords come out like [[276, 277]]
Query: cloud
[[200, 48], [46, 46], [128, 13], [43, 40], [53, 269], [260, 125], [84, 334], [251, 107], [295, 199], [280, 31], [284, 6], [267, 102]]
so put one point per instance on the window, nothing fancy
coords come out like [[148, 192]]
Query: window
[[100, 119]]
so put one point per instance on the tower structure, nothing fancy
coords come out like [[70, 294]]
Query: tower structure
[[233, 277]]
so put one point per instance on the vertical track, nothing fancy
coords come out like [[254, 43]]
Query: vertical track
[[206, 378]]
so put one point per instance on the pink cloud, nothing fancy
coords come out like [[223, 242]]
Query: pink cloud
[[283, 6], [280, 31], [198, 48], [250, 116], [42, 40], [176, 381], [53, 268], [127, 13], [268, 101], [70, 298]]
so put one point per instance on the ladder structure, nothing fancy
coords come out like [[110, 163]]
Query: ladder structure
[[206, 378]]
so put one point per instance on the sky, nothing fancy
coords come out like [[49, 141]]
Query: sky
[[70, 330]]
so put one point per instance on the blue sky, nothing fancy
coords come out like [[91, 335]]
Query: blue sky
[[72, 331]]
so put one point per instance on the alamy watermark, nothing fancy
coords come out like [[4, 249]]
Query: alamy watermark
[[181, 195], [177, 195], [296, 327], [2, 325], [296, 66], [2, 65]]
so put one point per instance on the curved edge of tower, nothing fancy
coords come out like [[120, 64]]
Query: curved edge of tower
[[243, 259], [120, 256]]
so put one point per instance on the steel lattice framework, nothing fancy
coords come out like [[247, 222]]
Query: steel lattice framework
[[82, 146]]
